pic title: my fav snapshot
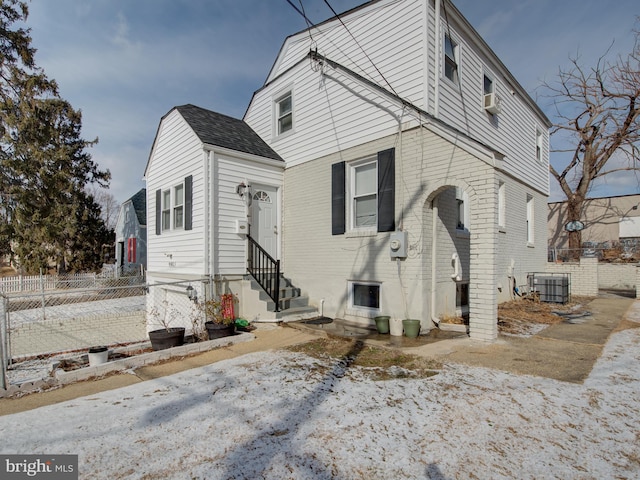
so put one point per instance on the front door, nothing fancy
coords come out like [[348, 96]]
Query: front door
[[264, 217]]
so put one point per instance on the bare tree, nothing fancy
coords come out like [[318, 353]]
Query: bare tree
[[109, 206], [598, 111]]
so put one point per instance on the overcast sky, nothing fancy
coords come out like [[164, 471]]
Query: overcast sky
[[125, 63]]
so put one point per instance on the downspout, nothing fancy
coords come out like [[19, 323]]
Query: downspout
[[207, 214], [434, 249], [436, 80]]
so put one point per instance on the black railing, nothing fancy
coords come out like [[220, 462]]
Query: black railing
[[265, 269]]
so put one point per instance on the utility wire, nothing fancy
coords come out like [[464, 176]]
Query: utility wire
[[360, 46]]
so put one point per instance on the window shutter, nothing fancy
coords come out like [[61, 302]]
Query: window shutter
[[386, 190], [158, 212], [188, 202], [337, 198]]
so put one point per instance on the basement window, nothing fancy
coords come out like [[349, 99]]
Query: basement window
[[364, 295]]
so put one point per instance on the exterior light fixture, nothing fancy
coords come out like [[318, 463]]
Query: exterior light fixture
[[241, 189], [192, 294]]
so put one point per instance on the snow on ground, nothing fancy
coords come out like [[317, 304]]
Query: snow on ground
[[283, 415]]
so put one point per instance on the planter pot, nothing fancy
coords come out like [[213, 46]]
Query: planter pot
[[98, 356], [219, 330], [382, 324], [166, 338], [411, 327], [395, 327]]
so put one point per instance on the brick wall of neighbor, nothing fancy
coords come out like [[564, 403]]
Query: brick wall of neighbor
[[617, 276]]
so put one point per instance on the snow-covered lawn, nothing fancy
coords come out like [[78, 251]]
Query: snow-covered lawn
[[283, 415]]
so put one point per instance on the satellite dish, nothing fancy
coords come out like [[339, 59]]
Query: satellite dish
[[574, 226]]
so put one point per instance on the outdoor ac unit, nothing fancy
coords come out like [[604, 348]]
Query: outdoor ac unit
[[552, 289], [492, 103]]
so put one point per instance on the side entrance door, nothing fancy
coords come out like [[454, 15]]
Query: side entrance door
[[264, 217]]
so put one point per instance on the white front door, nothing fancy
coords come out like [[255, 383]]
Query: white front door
[[264, 217]]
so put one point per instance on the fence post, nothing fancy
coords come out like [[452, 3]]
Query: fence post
[[44, 301], [3, 344]]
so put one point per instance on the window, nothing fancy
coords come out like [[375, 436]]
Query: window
[[284, 113], [501, 205], [530, 225], [538, 145], [451, 59], [166, 210], [131, 250], [364, 200], [363, 195], [178, 206], [488, 85], [174, 207], [462, 210], [364, 295]]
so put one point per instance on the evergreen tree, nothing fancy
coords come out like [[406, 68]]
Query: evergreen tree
[[45, 213]]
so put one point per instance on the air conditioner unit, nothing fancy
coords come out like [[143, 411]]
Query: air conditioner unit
[[492, 103], [552, 289]]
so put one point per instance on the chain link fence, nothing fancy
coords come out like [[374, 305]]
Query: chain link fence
[[624, 251], [113, 311]]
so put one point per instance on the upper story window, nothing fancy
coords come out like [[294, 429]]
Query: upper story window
[[487, 85], [538, 145], [451, 59], [284, 113]]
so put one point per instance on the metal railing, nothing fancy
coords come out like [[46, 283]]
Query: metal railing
[[265, 269]]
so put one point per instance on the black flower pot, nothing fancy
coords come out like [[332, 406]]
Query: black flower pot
[[219, 330], [166, 338]]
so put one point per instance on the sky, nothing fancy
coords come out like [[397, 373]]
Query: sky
[[126, 63], [284, 415]]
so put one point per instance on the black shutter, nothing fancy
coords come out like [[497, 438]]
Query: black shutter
[[158, 212], [337, 199], [188, 202], [386, 190]]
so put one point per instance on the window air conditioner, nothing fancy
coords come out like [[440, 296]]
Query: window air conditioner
[[492, 103]]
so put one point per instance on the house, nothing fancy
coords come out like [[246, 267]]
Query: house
[[207, 176], [131, 233], [410, 178], [608, 221]]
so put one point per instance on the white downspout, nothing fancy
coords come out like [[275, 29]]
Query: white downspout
[[207, 214], [434, 250], [436, 80]]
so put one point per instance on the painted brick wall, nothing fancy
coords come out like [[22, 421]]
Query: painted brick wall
[[584, 275]]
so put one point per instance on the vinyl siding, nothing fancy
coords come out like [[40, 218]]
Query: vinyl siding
[[334, 112], [229, 250], [176, 154]]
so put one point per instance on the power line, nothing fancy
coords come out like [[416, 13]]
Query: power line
[[360, 46]]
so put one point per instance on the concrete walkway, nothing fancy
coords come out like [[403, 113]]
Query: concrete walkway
[[563, 352]]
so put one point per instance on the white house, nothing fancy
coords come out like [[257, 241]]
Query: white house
[[411, 174]]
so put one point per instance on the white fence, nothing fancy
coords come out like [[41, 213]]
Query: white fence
[[39, 283]]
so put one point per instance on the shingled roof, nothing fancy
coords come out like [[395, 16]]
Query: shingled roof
[[139, 201], [220, 130]]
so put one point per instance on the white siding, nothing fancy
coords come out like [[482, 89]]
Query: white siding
[[333, 112], [177, 153], [229, 249]]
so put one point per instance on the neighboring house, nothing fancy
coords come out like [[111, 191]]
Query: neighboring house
[[131, 233], [412, 180], [606, 220]]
